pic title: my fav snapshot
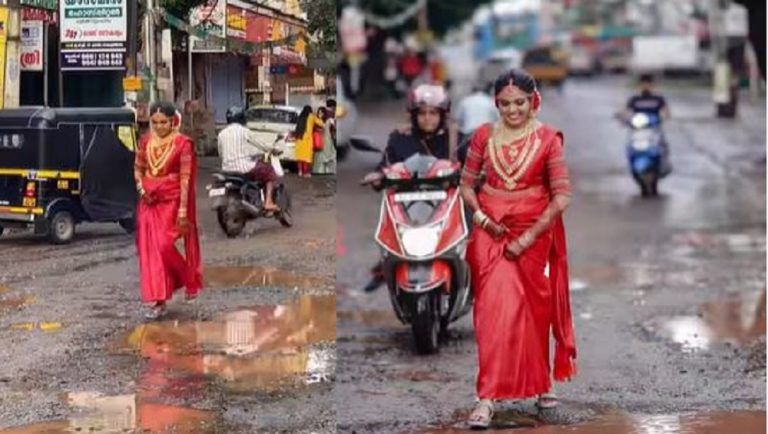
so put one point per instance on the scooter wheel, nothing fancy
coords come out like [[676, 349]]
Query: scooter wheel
[[231, 225]]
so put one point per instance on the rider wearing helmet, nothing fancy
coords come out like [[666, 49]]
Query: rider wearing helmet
[[429, 109], [242, 152]]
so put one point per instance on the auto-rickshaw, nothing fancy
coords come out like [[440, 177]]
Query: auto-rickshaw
[[64, 166]]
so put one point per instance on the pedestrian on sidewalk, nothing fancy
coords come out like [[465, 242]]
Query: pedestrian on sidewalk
[[324, 159], [305, 140], [518, 208], [165, 172]]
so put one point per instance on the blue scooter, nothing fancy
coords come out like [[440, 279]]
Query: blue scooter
[[646, 152]]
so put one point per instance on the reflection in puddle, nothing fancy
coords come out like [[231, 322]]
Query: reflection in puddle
[[44, 326], [226, 277], [737, 243], [737, 320], [260, 349], [124, 413], [741, 422]]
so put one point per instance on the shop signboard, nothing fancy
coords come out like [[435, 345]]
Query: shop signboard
[[212, 19], [32, 40], [93, 34]]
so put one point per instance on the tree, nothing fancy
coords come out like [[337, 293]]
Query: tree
[[177, 8], [321, 15]]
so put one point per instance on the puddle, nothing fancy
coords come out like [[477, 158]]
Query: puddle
[[227, 277], [369, 318], [123, 413], [44, 326], [741, 422], [737, 320], [735, 242], [265, 348], [589, 276]]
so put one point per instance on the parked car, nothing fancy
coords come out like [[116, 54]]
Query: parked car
[[546, 65], [275, 123]]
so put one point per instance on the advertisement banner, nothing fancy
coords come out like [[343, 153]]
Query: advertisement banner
[[32, 39], [212, 19], [12, 75], [93, 34], [237, 22], [32, 14]]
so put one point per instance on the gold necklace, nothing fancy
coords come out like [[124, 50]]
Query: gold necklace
[[158, 153], [511, 173]]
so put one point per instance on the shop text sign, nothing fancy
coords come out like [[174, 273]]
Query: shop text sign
[[93, 34], [211, 18], [32, 45]]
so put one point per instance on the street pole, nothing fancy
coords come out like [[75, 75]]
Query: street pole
[[151, 50], [190, 72], [46, 72], [12, 55]]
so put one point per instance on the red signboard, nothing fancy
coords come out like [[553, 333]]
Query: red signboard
[[247, 25], [32, 14]]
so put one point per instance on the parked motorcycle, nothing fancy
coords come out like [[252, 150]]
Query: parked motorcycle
[[645, 152], [237, 200], [423, 236]]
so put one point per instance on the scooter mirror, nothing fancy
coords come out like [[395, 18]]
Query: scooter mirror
[[363, 144]]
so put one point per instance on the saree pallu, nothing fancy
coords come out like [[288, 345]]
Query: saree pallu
[[163, 269]]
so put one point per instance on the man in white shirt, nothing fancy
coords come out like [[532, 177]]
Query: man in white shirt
[[241, 152], [475, 110]]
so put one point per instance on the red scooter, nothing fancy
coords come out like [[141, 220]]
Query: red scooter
[[423, 236]]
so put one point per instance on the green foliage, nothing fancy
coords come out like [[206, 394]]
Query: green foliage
[[177, 8], [321, 15], [442, 15]]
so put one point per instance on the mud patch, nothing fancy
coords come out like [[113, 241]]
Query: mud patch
[[369, 318], [228, 277], [415, 375], [262, 349], [16, 303], [737, 320], [123, 413]]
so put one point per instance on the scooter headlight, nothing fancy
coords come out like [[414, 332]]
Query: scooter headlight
[[420, 241]]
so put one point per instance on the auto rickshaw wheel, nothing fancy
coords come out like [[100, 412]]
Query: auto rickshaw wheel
[[61, 227]]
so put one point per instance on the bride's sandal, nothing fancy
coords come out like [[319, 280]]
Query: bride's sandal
[[547, 401], [481, 416]]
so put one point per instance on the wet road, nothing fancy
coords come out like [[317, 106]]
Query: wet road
[[255, 353], [668, 294]]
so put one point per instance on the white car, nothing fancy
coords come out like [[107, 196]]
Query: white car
[[273, 123]]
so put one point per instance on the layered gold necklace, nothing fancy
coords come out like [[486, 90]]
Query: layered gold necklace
[[512, 151], [158, 152]]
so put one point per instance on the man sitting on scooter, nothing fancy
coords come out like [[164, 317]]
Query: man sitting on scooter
[[652, 104], [242, 152], [427, 134]]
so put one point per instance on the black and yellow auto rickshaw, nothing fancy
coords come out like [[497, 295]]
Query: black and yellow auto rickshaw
[[63, 166]]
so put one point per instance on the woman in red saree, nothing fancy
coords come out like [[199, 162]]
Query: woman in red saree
[[165, 173], [525, 189]]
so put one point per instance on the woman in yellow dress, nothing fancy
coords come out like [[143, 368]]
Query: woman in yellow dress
[[304, 140]]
